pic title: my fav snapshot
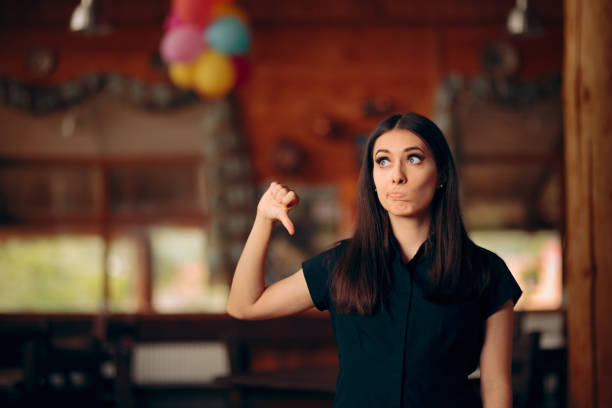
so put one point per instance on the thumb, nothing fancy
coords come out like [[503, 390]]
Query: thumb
[[283, 217]]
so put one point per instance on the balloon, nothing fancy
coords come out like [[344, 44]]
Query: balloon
[[172, 21], [229, 10], [242, 69], [182, 75], [182, 44], [197, 12], [228, 35], [214, 74]]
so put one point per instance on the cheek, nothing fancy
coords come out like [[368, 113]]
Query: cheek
[[379, 185], [376, 177], [428, 184]]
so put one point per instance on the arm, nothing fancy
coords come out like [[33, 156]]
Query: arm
[[249, 298], [496, 359]]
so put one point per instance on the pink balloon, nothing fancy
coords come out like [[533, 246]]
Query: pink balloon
[[182, 44], [242, 68], [172, 21]]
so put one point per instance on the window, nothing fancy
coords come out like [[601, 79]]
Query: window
[[51, 273], [124, 275], [182, 281], [535, 260], [46, 266], [64, 273]]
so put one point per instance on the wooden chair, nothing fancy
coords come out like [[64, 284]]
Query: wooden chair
[[526, 381]]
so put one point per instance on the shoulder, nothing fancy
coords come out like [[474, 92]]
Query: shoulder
[[330, 256], [487, 267], [340, 246], [317, 271], [500, 283], [486, 259]]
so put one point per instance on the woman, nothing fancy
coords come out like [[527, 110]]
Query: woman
[[415, 305]]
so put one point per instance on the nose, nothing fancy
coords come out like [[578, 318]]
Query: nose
[[398, 176]]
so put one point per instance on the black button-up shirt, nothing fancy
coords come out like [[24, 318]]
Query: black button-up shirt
[[413, 353]]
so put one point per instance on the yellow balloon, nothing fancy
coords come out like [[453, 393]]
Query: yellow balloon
[[230, 10], [182, 75], [214, 74]]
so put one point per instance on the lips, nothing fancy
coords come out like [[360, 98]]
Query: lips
[[397, 196]]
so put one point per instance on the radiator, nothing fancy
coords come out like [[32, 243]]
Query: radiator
[[179, 363]]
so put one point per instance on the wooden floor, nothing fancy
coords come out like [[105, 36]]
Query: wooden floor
[[288, 362]]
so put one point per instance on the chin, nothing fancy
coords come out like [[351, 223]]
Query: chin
[[407, 212]]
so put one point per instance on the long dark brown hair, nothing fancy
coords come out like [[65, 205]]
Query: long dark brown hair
[[362, 276]]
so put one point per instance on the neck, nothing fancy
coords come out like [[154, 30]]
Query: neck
[[410, 233]]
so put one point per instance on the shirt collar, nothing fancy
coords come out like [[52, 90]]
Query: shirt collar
[[423, 253]]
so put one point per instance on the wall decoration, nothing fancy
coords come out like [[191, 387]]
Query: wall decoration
[[288, 157], [41, 61], [500, 59], [48, 99], [377, 106], [205, 46], [231, 193], [325, 126], [204, 52], [505, 176], [500, 62]]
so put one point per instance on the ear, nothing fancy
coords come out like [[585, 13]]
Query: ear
[[441, 182], [441, 179]]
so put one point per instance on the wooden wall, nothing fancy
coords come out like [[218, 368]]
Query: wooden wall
[[309, 60], [302, 72]]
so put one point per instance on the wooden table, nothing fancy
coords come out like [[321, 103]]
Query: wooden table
[[299, 387]]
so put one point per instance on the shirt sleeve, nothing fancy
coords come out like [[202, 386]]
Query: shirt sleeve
[[502, 287], [317, 271]]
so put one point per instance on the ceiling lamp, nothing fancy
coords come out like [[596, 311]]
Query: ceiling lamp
[[523, 20], [85, 18]]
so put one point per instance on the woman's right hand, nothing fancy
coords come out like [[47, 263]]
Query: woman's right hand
[[249, 297], [276, 203]]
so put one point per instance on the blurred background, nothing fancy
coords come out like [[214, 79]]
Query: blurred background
[[131, 161]]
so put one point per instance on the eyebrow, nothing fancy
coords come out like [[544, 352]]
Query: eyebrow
[[404, 151]]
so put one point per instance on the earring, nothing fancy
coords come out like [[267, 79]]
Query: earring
[[441, 186]]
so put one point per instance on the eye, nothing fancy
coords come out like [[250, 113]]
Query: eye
[[415, 159], [383, 161]]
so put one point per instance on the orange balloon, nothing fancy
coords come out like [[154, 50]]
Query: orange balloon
[[229, 10]]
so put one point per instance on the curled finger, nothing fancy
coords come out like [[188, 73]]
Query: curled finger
[[289, 199]]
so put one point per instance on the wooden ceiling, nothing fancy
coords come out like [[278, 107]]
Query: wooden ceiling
[[139, 13]]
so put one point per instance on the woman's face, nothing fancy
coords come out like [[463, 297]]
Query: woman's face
[[405, 174]]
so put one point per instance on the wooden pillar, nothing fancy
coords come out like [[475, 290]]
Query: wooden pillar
[[144, 282], [588, 168]]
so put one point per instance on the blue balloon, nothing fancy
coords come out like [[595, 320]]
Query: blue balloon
[[228, 35]]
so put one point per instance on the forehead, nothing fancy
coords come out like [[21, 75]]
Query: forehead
[[398, 140]]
